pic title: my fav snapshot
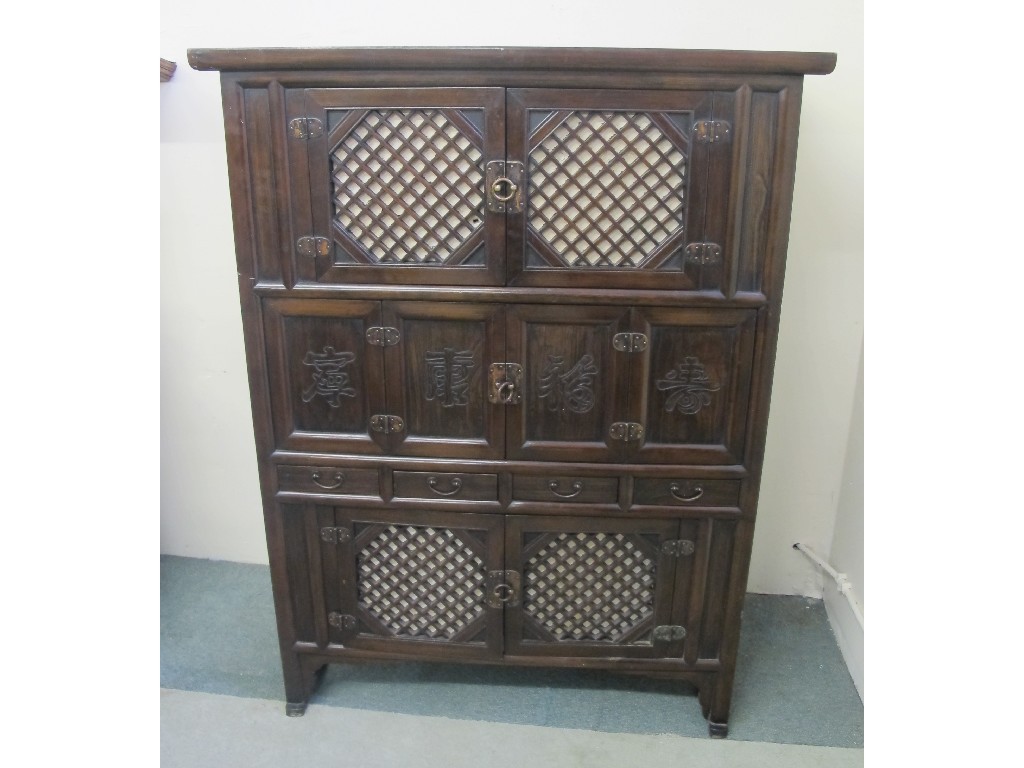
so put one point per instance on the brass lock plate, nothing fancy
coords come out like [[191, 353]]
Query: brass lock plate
[[504, 186], [505, 384]]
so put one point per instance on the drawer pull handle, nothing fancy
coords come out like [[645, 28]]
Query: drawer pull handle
[[339, 478], [695, 494], [456, 483], [577, 487]]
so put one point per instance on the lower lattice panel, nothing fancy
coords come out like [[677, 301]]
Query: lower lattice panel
[[421, 581], [589, 586]]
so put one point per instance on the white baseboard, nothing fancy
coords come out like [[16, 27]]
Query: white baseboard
[[849, 633]]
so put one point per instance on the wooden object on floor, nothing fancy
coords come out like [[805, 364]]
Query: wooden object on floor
[[510, 318]]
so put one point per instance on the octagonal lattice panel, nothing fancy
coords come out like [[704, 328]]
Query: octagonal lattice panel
[[408, 187], [607, 189], [589, 586], [421, 581]]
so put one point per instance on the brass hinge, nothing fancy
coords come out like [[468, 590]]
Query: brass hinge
[[383, 337], [668, 633], [386, 424], [335, 535], [629, 342], [711, 131], [341, 620], [678, 548], [313, 246], [504, 186], [305, 128], [502, 588], [703, 253], [505, 385], [626, 431]]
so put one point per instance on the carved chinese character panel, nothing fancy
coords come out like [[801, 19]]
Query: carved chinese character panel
[[437, 378], [326, 381], [395, 579], [396, 185], [574, 384], [697, 382], [616, 187]]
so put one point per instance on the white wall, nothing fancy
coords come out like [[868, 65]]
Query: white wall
[[210, 501], [847, 550]]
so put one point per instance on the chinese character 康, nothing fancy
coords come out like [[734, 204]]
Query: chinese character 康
[[448, 374]]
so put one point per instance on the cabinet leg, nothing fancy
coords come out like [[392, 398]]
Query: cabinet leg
[[718, 730], [714, 705], [301, 680]]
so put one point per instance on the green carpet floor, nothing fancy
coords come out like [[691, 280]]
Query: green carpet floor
[[218, 636]]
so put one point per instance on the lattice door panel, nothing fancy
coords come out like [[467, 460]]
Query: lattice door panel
[[608, 189], [408, 186], [589, 586], [616, 186], [397, 182], [416, 577]]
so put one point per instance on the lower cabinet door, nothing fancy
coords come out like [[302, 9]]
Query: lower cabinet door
[[595, 586], [412, 581]]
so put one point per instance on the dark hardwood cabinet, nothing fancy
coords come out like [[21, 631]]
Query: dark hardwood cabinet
[[510, 318]]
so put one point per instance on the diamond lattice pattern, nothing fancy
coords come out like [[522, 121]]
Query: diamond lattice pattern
[[607, 188], [408, 186], [421, 581], [589, 586]]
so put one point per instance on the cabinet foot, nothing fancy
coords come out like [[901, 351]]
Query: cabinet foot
[[308, 680]]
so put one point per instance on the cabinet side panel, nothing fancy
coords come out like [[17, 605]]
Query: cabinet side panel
[[757, 196], [297, 554], [717, 587], [263, 185]]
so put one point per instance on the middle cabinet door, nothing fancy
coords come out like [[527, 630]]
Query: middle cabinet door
[[406, 378], [574, 385]]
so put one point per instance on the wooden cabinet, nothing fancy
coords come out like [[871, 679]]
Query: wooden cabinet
[[510, 317]]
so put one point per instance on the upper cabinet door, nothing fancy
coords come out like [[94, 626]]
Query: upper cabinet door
[[391, 185], [618, 187]]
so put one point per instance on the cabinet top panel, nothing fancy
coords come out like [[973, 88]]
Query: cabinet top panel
[[561, 59]]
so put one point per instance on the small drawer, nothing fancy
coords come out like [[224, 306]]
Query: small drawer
[[686, 492], [341, 480], [459, 486], [566, 488]]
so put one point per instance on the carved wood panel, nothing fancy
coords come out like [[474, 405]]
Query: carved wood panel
[[326, 382], [437, 378], [696, 384], [574, 384]]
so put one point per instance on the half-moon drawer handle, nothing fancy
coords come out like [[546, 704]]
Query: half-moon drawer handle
[[456, 483], [339, 478], [695, 493], [577, 487]]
